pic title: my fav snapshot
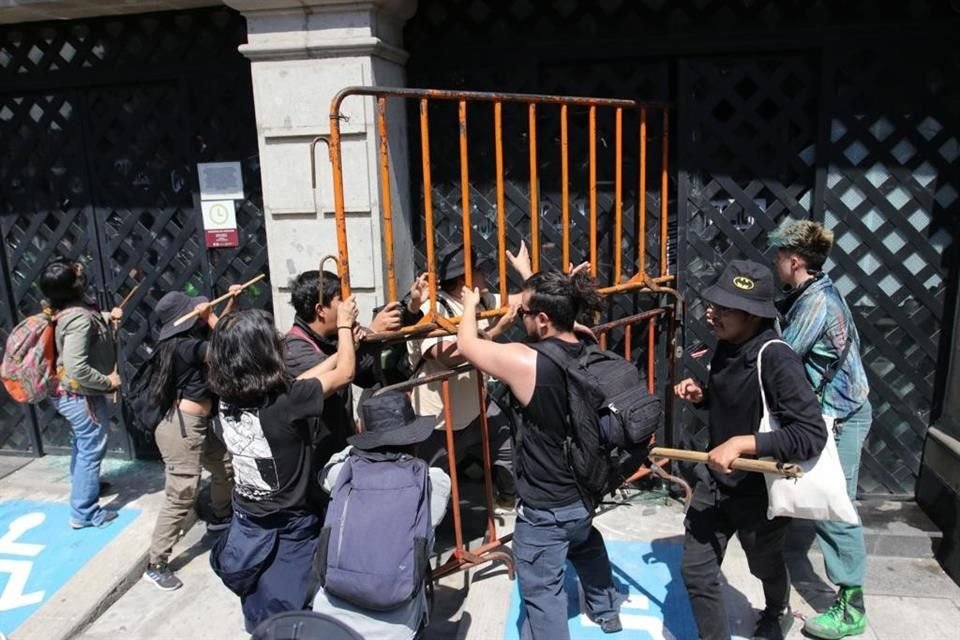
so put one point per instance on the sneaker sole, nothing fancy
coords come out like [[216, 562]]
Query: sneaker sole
[[158, 585]]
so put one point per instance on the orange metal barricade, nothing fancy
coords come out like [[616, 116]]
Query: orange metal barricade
[[636, 280], [441, 325]]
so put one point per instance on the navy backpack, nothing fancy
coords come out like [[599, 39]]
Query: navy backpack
[[376, 539]]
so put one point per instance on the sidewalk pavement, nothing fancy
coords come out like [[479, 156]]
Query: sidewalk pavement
[[906, 597]]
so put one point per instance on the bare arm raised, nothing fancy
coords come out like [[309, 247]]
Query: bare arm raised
[[513, 363]]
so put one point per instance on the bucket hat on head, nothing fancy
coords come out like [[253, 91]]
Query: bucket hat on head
[[389, 421], [451, 264], [172, 306], [744, 285]]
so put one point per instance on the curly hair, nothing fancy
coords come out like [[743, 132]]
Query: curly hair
[[806, 238], [563, 298], [245, 359]]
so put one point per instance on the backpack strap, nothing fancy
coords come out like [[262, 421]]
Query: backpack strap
[[297, 331], [831, 371]]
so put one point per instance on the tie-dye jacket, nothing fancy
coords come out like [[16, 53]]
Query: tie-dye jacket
[[817, 324]]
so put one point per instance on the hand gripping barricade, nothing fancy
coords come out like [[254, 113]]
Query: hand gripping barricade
[[615, 277]]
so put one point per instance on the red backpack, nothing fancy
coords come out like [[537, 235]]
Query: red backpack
[[29, 368]]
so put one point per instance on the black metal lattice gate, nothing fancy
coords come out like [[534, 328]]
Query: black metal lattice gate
[[847, 113], [102, 123]]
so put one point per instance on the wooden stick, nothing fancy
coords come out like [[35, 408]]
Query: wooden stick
[[193, 314], [785, 469], [129, 295]]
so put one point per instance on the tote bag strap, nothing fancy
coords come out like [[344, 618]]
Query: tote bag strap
[[763, 394]]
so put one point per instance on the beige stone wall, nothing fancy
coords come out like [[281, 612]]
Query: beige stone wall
[[302, 54]]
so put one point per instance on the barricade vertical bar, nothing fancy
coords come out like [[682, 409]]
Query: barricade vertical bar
[[385, 199], [618, 199], [487, 457], [663, 194], [465, 194], [628, 342], [642, 195], [651, 363], [428, 202], [501, 206], [452, 467], [565, 188], [534, 192], [336, 160], [593, 190]]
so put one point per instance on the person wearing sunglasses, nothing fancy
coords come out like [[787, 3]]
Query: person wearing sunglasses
[[553, 522]]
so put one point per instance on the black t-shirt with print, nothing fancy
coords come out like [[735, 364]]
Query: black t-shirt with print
[[272, 449]]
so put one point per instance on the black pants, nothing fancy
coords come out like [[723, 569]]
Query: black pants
[[714, 517]]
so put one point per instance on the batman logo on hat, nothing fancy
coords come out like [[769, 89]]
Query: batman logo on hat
[[743, 282]]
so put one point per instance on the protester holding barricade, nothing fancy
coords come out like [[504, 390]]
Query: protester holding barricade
[[378, 586], [726, 501], [268, 418], [314, 337], [554, 517], [819, 326], [86, 367], [178, 388], [440, 354]]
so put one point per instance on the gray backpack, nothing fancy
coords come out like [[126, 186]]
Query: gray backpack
[[375, 543]]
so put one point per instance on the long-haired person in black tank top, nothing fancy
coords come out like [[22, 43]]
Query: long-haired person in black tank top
[[553, 523]]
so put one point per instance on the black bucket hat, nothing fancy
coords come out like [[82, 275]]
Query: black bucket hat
[[389, 421], [744, 285], [172, 306], [452, 265]]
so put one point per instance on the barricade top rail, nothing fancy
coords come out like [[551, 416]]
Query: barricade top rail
[[626, 275]]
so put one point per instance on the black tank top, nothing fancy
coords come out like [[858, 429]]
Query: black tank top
[[544, 479]]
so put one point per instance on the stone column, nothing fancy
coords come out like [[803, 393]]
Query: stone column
[[302, 53]]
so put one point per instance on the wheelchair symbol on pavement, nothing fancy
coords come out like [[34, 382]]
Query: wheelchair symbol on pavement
[[13, 595]]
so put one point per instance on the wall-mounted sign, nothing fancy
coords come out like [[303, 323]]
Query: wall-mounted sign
[[220, 223], [220, 180]]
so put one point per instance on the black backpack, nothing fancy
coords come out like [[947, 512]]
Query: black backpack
[[611, 419], [141, 412]]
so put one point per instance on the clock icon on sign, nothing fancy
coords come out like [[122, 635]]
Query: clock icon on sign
[[219, 214]]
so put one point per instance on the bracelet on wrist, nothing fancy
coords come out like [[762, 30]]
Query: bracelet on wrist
[[344, 327]]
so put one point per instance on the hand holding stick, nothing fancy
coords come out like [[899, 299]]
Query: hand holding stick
[[785, 469], [193, 314]]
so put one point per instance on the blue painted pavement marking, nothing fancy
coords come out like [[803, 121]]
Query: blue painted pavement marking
[[39, 553], [657, 608]]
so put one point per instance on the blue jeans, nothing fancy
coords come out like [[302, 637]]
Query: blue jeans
[[844, 551], [89, 420], [543, 541]]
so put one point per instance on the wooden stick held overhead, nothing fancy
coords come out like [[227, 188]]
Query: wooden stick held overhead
[[193, 314], [785, 469]]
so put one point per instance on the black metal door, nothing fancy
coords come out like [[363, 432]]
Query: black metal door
[[853, 139], [101, 166]]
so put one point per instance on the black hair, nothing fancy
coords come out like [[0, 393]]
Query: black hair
[[454, 285], [163, 383], [563, 298], [304, 295], [62, 283], [245, 359]]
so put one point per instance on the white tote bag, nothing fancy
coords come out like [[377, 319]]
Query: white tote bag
[[821, 493]]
